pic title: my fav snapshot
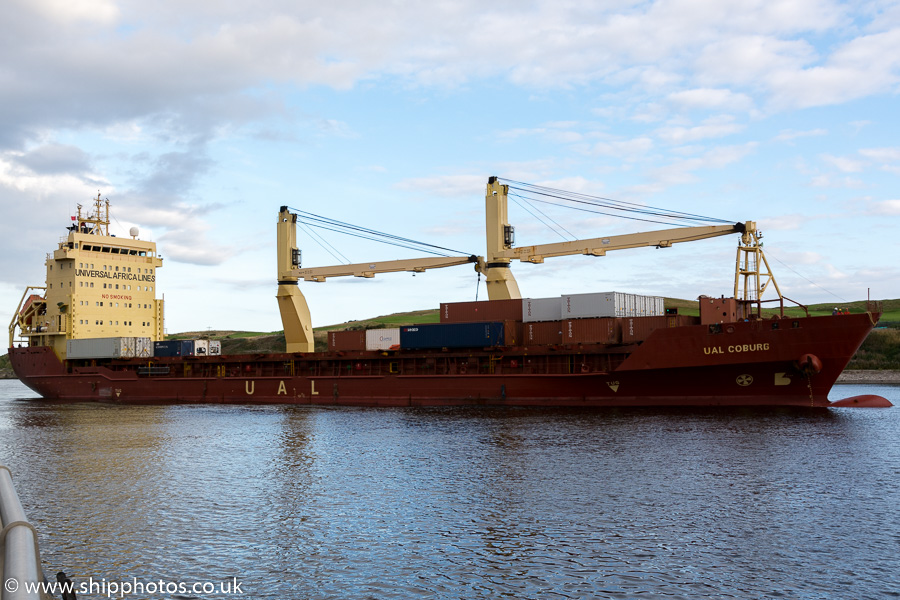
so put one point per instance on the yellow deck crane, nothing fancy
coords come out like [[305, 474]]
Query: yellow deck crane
[[749, 285], [294, 310]]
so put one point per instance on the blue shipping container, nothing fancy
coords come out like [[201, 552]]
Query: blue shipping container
[[172, 348], [452, 335]]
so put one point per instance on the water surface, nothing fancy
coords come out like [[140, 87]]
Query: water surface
[[300, 502]]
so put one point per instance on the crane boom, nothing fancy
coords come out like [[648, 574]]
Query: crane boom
[[600, 246], [412, 265]]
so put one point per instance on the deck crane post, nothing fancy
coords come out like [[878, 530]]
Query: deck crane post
[[295, 315]]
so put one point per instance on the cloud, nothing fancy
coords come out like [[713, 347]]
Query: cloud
[[827, 181], [54, 159], [447, 185], [709, 98], [788, 135], [623, 149], [714, 127], [843, 164], [889, 208], [681, 171]]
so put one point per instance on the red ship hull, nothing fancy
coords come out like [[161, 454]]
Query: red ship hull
[[780, 362]]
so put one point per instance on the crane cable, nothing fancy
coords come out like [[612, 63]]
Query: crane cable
[[555, 197], [313, 220]]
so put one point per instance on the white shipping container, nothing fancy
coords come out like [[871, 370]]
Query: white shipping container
[[201, 347], [541, 309], [630, 305], [143, 347], [659, 306], [595, 305], [215, 347], [382, 339]]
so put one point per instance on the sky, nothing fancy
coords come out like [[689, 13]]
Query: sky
[[199, 119]]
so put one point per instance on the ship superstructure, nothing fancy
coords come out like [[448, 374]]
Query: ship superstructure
[[98, 286]]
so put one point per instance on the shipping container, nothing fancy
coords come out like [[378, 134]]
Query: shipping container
[[143, 347], [95, 348], [215, 347], [354, 339], [599, 304], [170, 348], [112, 347], [201, 347], [187, 347], [535, 310], [542, 333], [512, 333], [591, 331], [452, 335], [382, 339], [481, 311], [638, 329]]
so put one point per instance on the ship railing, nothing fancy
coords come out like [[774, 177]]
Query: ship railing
[[780, 300], [20, 558]]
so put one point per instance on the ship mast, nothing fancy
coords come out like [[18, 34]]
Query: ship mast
[[99, 218], [752, 274]]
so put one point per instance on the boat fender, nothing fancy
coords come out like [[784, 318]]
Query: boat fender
[[810, 364]]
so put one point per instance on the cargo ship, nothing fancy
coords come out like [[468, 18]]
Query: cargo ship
[[94, 332]]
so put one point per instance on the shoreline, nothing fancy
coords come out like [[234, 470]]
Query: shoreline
[[875, 377]]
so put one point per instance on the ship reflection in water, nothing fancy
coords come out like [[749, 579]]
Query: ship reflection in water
[[299, 502]]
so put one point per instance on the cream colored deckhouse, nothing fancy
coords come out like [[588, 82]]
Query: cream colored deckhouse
[[98, 286]]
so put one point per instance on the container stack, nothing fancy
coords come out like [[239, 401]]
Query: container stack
[[597, 318]]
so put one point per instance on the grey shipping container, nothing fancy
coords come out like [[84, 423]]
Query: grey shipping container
[[541, 309], [215, 347], [112, 347], [452, 335]]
